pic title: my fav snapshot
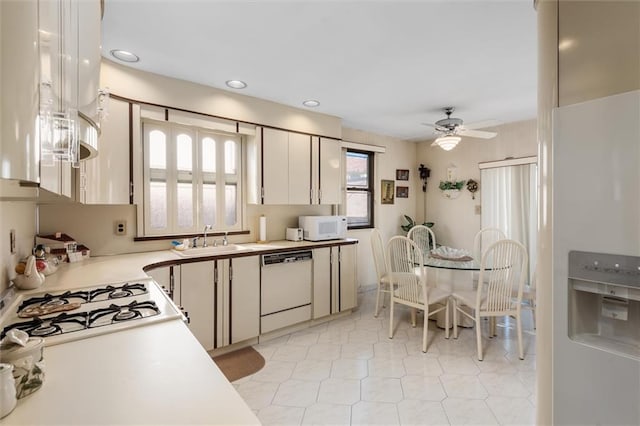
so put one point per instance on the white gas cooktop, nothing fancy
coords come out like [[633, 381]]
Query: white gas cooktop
[[81, 313]]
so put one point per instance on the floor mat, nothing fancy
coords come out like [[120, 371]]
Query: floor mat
[[241, 363]]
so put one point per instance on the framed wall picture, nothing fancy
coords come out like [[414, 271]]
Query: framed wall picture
[[402, 174], [387, 190], [402, 192]]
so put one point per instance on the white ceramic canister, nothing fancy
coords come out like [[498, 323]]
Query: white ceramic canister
[[28, 364], [7, 390]]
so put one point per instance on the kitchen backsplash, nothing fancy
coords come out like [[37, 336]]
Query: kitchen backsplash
[[21, 217], [93, 225]]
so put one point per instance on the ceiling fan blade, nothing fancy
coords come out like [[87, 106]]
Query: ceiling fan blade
[[429, 125], [477, 134], [482, 124]]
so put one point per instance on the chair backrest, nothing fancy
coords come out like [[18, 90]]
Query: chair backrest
[[484, 238], [377, 248], [409, 278], [503, 268], [423, 237]]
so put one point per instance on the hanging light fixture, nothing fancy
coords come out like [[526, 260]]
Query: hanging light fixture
[[447, 142]]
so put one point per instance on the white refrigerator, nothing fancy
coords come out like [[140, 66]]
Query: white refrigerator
[[596, 249]]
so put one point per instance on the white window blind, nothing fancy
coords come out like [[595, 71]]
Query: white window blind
[[192, 178]]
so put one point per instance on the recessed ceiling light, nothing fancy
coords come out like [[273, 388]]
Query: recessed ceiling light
[[236, 84], [311, 103], [124, 56]]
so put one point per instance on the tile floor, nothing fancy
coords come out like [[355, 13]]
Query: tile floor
[[348, 371]]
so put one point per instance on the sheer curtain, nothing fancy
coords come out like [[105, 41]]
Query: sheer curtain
[[509, 202]]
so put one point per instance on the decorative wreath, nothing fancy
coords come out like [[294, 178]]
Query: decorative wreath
[[472, 186]]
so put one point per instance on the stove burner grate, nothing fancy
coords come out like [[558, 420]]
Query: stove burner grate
[[61, 323], [114, 292], [56, 299], [114, 313]]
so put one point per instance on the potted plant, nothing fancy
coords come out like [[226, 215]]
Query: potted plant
[[411, 223], [451, 189]]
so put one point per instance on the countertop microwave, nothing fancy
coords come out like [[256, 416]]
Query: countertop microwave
[[321, 228]]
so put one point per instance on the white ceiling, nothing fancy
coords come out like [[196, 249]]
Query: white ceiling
[[382, 66]]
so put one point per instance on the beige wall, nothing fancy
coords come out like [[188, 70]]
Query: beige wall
[[17, 211], [157, 89], [599, 41], [456, 221], [388, 218]]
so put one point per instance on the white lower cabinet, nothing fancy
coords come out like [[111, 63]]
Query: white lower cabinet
[[334, 280], [345, 276], [168, 277], [322, 294], [220, 297], [244, 298], [200, 298]]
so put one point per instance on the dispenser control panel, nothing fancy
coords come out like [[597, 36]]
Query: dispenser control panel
[[604, 301]]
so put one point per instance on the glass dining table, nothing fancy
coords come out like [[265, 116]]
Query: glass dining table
[[452, 260], [469, 264]]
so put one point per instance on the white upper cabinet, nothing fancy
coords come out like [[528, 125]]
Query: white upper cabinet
[[69, 50], [293, 168], [105, 179], [299, 168], [89, 16], [19, 77], [327, 182], [275, 167], [58, 33]]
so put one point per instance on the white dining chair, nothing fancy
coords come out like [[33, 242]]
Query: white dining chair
[[484, 238], [423, 237], [380, 263], [528, 296], [409, 284], [502, 268]]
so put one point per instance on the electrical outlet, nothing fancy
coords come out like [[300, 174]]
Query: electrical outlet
[[477, 209], [120, 227]]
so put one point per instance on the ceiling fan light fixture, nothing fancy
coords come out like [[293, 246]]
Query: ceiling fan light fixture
[[447, 142]]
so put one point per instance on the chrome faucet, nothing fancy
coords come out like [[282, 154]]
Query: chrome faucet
[[224, 240], [206, 228]]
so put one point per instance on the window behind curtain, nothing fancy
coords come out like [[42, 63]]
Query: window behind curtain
[[191, 179], [359, 176]]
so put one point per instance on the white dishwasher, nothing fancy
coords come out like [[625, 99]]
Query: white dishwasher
[[285, 289]]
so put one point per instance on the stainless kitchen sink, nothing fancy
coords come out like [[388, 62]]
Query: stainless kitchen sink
[[212, 250]]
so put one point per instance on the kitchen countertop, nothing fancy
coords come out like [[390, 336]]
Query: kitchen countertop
[[131, 266], [154, 374]]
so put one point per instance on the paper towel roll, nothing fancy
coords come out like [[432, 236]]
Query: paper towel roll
[[263, 228]]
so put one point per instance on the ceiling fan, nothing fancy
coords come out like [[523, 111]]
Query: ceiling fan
[[451, 129]]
